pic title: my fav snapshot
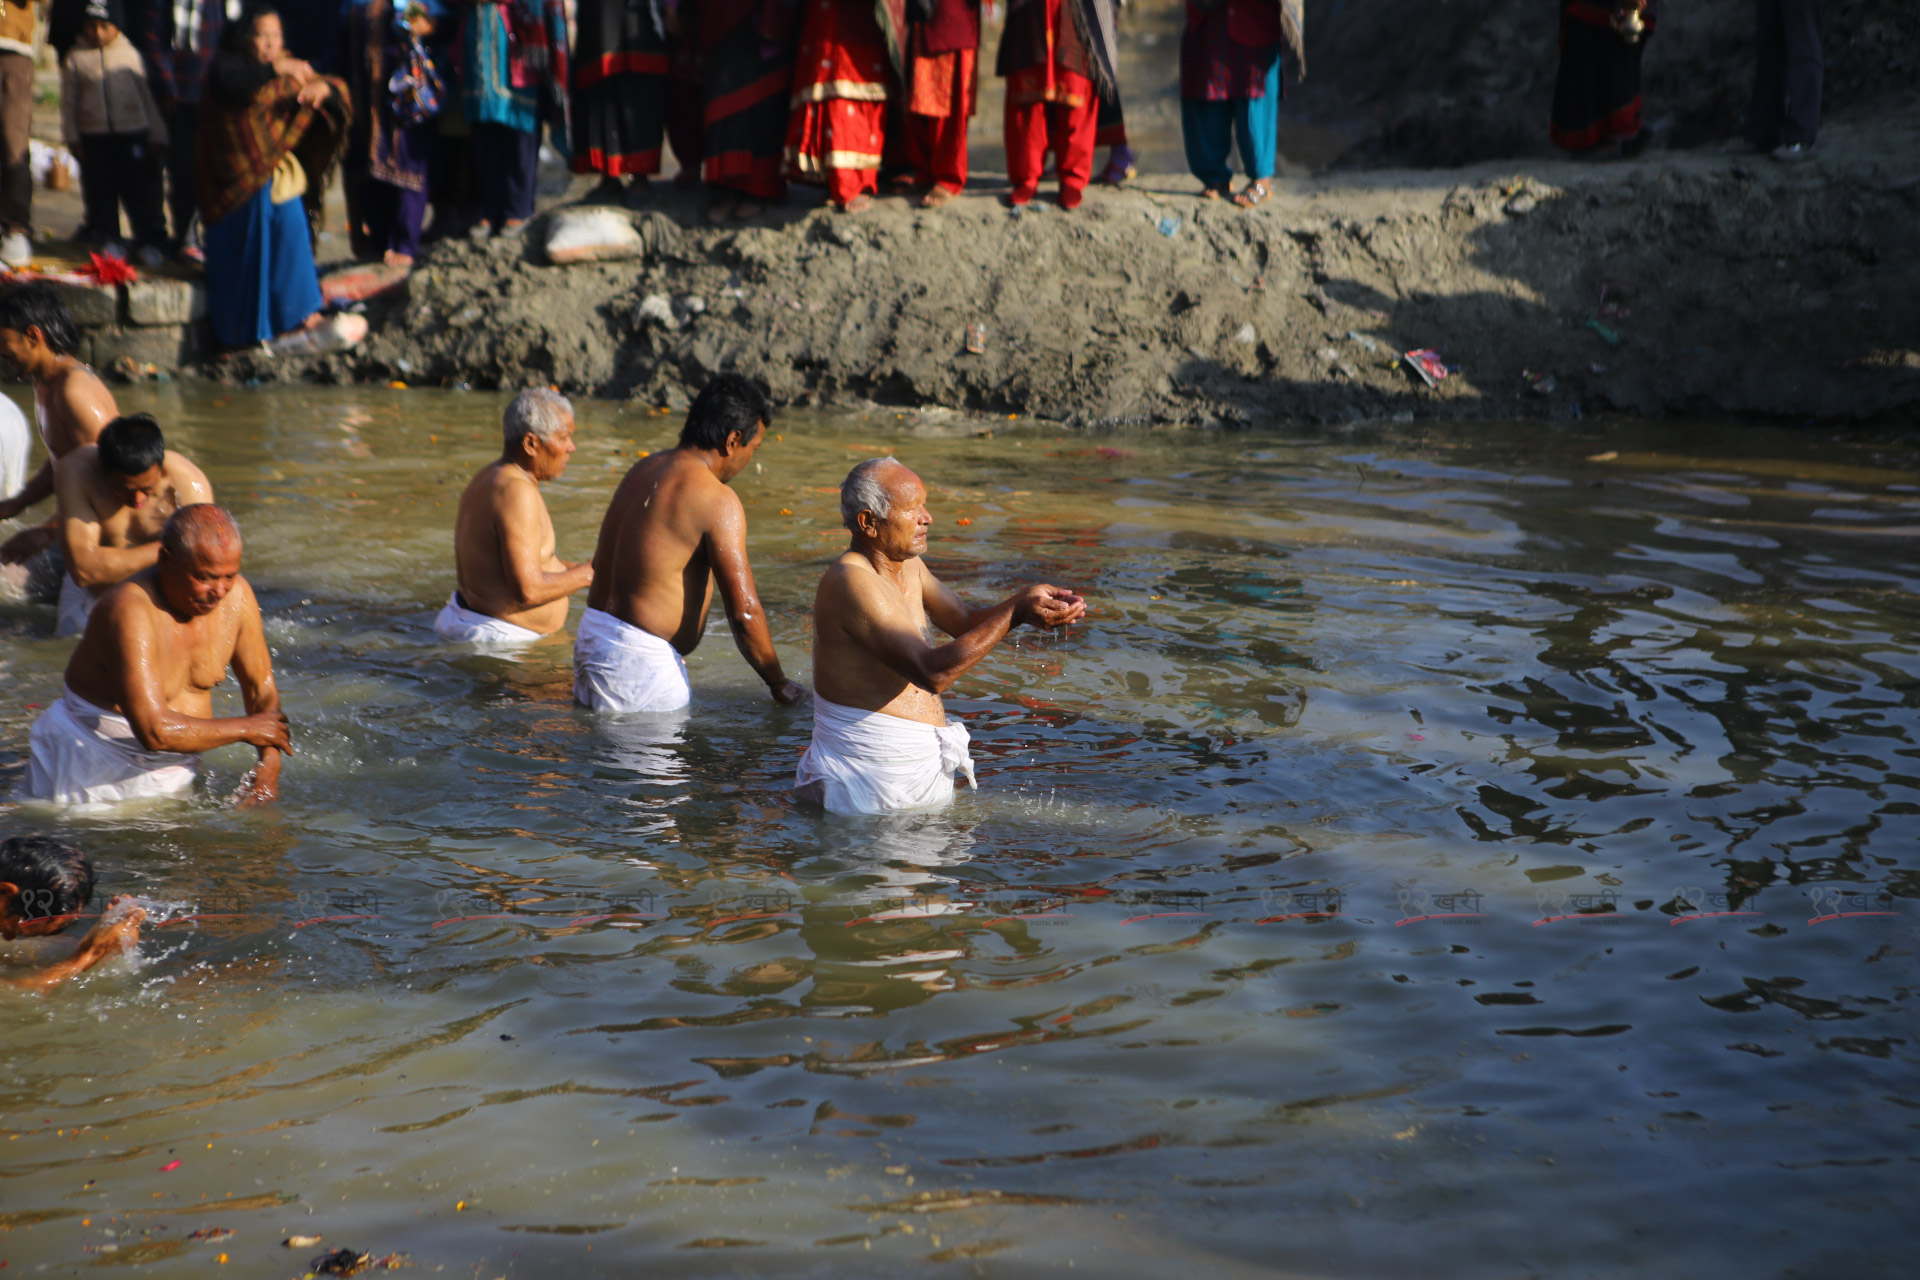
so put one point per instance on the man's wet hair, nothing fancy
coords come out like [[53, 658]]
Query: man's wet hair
[[36, 305], [132, 445], [54, 878], [865, 489], [194, 528], [729, 403], [535, 412]]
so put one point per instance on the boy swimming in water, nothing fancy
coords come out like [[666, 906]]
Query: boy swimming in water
[[44, 885]]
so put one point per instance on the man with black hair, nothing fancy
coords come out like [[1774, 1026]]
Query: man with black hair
[[137, 709], [38, 337], [43, 885], [672, 528], [114, 498]]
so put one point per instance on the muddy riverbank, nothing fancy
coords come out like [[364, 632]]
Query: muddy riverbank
[[1687, 282]]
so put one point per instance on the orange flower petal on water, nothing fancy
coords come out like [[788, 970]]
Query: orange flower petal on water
[[786, 511]]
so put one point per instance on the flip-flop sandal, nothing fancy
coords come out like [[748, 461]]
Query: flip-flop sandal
[[1256, 192]]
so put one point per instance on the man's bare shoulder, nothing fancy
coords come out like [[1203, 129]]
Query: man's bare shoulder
[[79, 388], [187, 477], [136, 600]]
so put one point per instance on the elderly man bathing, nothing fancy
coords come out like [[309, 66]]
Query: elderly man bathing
[[138, 705], [881, 737], [513, 589], [672, 529], [114, 498]]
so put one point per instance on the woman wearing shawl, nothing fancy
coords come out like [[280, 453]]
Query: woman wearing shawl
[[843, 76], [1059, 59], [270, 131], [396, 95], [513, 72], [1596, 94], [1230, 87]]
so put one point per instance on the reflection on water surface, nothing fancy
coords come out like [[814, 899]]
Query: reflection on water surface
[[1439, 853]]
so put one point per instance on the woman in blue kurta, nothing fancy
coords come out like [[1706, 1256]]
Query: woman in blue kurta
[[513, 79], [1230, 86], [270, 130]]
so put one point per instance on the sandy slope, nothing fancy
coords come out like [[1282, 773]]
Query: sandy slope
[[1747, 288]]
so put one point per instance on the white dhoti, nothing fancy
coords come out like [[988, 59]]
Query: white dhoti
[[76, 602], [457, 622], [619, 667], [874, 763], [83, 754]]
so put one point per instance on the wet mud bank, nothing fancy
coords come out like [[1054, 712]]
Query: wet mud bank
[[1680, 284]]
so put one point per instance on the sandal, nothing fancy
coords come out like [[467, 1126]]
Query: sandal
[[1256, 192]]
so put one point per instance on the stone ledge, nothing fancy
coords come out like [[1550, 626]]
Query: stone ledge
[[158, 301]]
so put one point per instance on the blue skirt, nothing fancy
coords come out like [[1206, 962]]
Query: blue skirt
[[260, 275]]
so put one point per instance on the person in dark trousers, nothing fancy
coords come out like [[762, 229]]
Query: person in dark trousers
[[1785, 115], [177, 54], [108, 115]]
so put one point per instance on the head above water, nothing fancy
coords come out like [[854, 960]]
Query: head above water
[[133, 453], [537, 432], [41, 880], [730, 412], [199, 558], [34, 323], [884, 505]]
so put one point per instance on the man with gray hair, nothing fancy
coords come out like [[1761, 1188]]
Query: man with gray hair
[[881, 738], [512, 588]]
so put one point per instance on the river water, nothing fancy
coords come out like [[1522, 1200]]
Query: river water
[[1468, 851]]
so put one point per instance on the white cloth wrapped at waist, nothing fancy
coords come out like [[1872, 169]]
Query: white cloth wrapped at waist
[[76, 602], [869, 762], [619, 667], [457, 622], [84, 754]]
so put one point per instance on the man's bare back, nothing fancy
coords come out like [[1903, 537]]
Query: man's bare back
[[73, 407], [503, 543], [110, 523], [673, 529]]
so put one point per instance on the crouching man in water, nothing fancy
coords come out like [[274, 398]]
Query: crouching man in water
[[881, 737], [672, 528], [114, 498], [513, 589], [138, 706], [44, 884]]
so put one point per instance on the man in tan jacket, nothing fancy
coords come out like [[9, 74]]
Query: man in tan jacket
[[16, 115]]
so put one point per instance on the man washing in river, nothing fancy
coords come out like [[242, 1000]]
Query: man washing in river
[[38, 337], [138, 704], [114, 498], [673, 528], [44, 885], [513, 589], [881, 737]]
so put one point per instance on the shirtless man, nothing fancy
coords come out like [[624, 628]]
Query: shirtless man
[[138, 706], [881, 737], [513, 589], [73, 406], [113, 499], [673, 528]]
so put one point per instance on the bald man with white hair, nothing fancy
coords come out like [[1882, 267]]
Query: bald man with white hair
[[512, 588], [137, 709], [881, 738]]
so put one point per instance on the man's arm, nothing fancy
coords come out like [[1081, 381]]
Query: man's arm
[[253, 671], [516, 522], [956, 617], [727, 553], [116, 932], [870, 614], [158, 726]]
